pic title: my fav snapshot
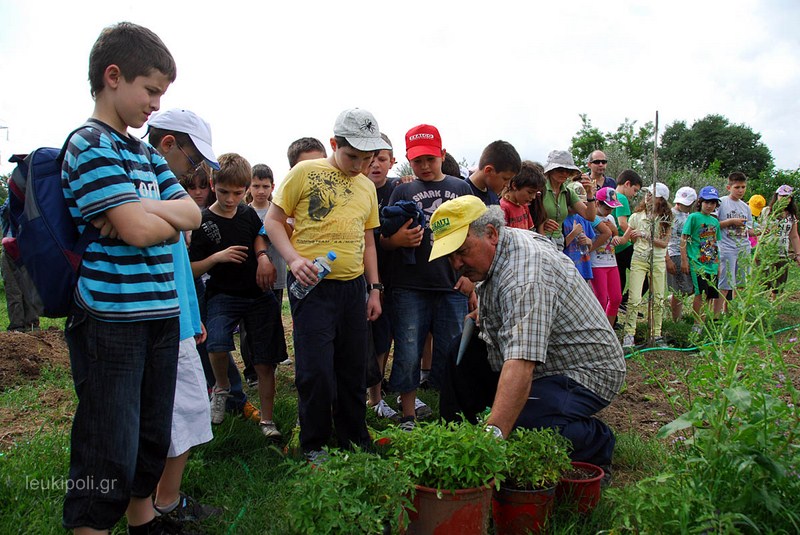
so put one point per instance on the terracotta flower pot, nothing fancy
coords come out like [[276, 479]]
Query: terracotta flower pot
[[460, 512], [517, 512], [584, 493]]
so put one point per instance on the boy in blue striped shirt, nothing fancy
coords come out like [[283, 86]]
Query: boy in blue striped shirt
[[123, 330]]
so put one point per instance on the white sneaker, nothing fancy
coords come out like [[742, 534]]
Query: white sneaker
[[421, 410], [270, 430], [383, 410], [287, 362], [627, 341], [218, 399]]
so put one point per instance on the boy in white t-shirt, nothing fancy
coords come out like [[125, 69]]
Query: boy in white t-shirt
[[736, 223]]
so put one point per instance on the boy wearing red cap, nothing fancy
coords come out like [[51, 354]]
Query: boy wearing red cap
[[426, 297]]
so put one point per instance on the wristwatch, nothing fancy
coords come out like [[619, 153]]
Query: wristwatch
[[375, 286]]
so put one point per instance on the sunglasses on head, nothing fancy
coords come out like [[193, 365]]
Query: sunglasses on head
[[598, 162]]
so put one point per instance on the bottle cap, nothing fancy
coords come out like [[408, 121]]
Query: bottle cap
[[331, 255]]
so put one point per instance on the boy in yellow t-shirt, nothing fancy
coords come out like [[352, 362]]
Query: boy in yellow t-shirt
[[334, 207]]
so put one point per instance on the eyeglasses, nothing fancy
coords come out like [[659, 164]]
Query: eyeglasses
[[598, 162], [195, 165]]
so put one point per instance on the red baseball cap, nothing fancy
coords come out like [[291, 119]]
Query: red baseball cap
[[423, 140]]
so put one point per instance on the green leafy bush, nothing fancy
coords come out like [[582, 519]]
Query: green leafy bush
[[451, 456], [535, 458], [353, 492]]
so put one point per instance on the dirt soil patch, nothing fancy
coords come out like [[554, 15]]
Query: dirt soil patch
[[23, 355]]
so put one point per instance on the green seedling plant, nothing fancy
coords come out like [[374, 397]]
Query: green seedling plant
[[352, 492], [448, 456], [735, 466], [535, 458]]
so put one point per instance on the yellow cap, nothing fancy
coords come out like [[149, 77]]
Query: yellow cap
[[450, 223], [757, 203]]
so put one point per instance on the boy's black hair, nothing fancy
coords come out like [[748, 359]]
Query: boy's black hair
[[629, 175], [536, 206], [737, 176], [304, 144], [234, 171], [529, 176], [698, 204], [136, 50], [502, 156], [263, 171], [450, 166], [155, 135]]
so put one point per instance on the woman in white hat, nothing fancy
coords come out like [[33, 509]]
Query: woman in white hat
[[557, 199]]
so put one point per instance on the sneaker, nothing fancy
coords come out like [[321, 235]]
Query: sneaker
[[287, 362], [383, 410], [189, 510], [161, 525], [316, 457], [252, 382], [660, 341], [218, 399], [627, 341], [421, 410], [270, 430], [408, 423], [250, 412]]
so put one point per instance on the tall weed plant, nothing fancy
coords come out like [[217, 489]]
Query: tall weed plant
[[736, 461]]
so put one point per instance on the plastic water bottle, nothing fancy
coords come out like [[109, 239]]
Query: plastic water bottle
[[322, 264], [584, 249]]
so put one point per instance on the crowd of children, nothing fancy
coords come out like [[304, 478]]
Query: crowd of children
[[179, 270]]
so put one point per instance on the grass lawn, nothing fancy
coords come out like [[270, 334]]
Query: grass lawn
[[245, 474]]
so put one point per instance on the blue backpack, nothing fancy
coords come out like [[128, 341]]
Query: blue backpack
[[44, 240]]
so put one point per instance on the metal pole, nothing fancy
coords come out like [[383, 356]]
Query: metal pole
[[651, 326]]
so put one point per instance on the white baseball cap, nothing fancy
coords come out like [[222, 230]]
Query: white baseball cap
[[685, 196], [360, 129], [660, 189], [191, 124]]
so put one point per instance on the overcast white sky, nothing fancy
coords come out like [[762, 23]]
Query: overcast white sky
[[268, 72]]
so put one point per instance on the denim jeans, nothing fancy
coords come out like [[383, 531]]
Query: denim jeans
[[124, 375], [330, 343], [415, 313], [261, 317], [238, 398]]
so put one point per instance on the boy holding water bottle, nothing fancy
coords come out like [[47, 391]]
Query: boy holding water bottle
[[334, 207]]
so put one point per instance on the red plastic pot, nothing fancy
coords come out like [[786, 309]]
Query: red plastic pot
[[583, 493], [460, 512], [517, 512]]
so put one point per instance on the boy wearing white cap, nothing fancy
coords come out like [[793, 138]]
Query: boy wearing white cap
[[183, 138], [681, 283], [335, 207]]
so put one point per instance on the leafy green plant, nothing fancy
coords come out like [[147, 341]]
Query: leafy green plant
[[735, 458], [535, 458], [448, 456], [353, 492]]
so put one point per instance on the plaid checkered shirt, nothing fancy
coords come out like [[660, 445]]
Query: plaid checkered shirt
[[534, 305]]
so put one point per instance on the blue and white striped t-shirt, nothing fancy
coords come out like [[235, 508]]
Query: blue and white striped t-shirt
[[119, 282]]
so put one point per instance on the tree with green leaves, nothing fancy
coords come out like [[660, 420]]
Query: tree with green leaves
[[713, 138], [589, 138]]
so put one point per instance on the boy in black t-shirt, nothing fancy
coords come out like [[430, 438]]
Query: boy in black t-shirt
[[228, 245]]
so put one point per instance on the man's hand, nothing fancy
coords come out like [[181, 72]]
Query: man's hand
[[304, 271], [200, 338], [671, 269]]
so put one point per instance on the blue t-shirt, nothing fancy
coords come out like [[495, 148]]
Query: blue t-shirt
[[582, 261], [187, 295], [488, 197], [119, 282]]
